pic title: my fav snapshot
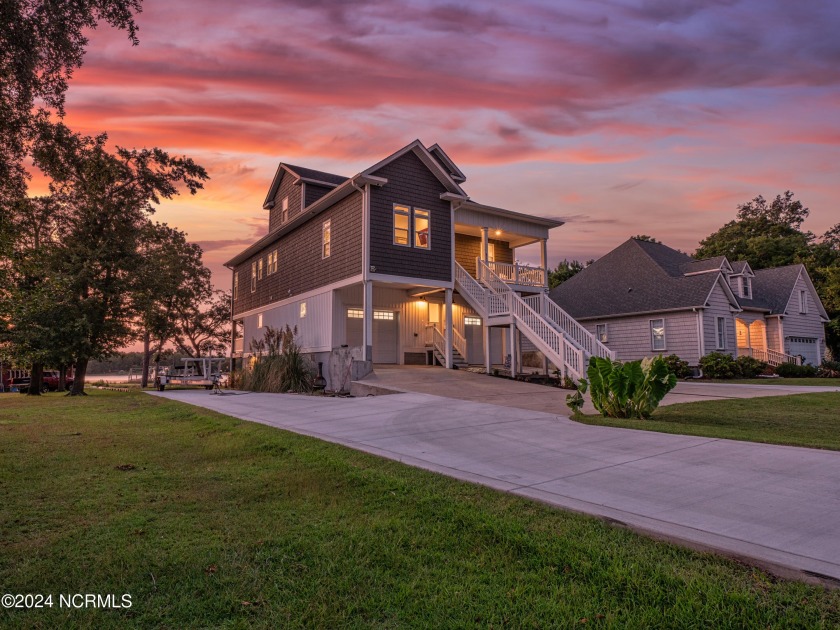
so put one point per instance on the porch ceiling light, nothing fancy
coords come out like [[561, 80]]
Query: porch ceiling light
[[498, 232]]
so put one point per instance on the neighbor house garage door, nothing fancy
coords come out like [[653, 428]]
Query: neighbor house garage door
[[805, 346], [385, 339]]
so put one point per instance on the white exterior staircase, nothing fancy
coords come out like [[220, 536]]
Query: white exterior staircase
[[554, 332]]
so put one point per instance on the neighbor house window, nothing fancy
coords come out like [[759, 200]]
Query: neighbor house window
[[284, 214], [355, 313], [260, 269], [657, 334], [803, 302], [259, 321], [236, 285], [421, 228], [326, 238], [746, 288], [253, 277], [721, 333], [402, 215], [601, 333], [472, 321]]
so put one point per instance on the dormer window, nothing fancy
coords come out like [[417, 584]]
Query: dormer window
[[745, 287]]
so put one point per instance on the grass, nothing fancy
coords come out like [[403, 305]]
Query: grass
[[800, 420], [810, 382], [208, 521]]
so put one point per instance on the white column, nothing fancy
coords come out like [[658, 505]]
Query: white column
[[512, 349], [448, 329], [486, 331], [484, 244], [544, 259], [367, 328]]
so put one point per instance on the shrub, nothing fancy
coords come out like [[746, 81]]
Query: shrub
[[829, 369], [278, 365], [677, 366], [624, 390], [748, 367], [719, 365], [791, 370]]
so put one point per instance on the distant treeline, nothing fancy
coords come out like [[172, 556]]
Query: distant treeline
[[122, 363]]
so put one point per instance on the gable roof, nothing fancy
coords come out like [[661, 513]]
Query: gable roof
[[742, 267], [440, 155], [637, 277], [431, 163], [774, 288], [301, 174]]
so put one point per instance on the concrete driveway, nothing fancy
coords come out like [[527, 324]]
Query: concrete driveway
[[775, 506]]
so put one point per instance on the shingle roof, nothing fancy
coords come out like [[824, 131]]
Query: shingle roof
[[703, 266], [738, 266], [773, 287], [310, 173], [635, 277]]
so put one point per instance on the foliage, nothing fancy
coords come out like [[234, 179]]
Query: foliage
[[564, 271], [277, 365], [203, 326], [749, 367], [677, 366], [719, 365], [41, 44], [796, 371], [645, 237], [625, 390], [829, 369]]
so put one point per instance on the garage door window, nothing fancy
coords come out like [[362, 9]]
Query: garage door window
[[355, 313], [383, 315]]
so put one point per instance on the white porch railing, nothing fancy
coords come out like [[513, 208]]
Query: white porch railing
[[514, 273], [770, 357], [568, 325], [542, 334]]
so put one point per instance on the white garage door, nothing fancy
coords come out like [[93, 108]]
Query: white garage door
[[805, 346], [385, 339]]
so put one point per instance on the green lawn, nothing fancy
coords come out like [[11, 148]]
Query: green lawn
[[801, 420], [810, 382], [208, 521]]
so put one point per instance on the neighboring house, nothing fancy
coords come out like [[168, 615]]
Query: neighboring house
[[400, 263], [644, 298]]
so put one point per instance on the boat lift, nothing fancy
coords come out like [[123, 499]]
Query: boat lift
[[206, 371]]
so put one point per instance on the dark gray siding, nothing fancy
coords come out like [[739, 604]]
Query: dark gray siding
[[468, 248], [287, 187], [300, 266], [313, 193], [412, 184]]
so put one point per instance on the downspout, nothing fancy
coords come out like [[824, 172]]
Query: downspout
[[701, 336], [232, 322], [367, 326]]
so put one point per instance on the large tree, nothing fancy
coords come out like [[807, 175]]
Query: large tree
[[204, 328], [41, 43], [108, 198], [769, 234], [565, 270]]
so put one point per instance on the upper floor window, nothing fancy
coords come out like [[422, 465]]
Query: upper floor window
[[253, 277], [745, 287], [412, 227], [284, 212], [803, 302], [402, 216], [236, 285], [272, 263], [657, 334], [260, 268], [326, 237], [721, 333], [601, 333]]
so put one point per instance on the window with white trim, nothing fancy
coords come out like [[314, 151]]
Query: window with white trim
[[746, 288], [236, 285], [657, 334], [402, 218], [469, 320], [803, 302], [253, 277], [272, 263], [601, 333], [260, 269], [721, 333], [421, 229], [355, 313], [326, 239], [259, 320], [284, 213]]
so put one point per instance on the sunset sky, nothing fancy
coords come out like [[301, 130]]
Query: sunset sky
[[622, 117]]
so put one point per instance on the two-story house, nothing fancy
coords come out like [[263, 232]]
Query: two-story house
[[401, 263], [644, 298]]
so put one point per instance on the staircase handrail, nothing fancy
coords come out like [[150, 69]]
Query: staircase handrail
[[459, 342], [574, 329]]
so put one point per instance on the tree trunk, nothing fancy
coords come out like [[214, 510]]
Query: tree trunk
[[78, 388], [144, 376], [62, 378], [36, 379]]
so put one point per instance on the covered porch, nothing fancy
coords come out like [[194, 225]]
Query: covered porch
[[754, 341]]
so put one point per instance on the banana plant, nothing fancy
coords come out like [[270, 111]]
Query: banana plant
[[624, 390]]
